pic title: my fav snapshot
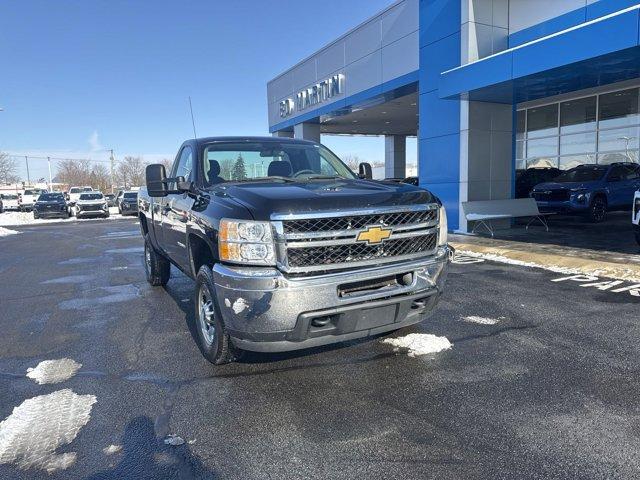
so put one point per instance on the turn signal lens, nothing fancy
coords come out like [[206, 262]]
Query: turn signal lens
[[443, 227], [247, 242]]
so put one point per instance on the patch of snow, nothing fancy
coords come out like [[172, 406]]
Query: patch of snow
[[30, 436], [501, 259], [173, 440], [240, 305], [54, 371], [227, 302], [114, 294], [126, 250], [112, 449], [482, 320], [69, 279], [5, 232], [419, 344]]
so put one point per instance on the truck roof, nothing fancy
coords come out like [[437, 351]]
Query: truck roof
[[254, 139]]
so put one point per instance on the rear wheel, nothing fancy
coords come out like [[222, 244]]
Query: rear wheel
[[213, 340], [598, 209], [156, 266]]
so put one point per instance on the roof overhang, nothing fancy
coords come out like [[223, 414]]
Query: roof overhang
[[603, 51]]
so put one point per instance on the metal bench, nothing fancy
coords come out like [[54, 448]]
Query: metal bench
[[483, 211]]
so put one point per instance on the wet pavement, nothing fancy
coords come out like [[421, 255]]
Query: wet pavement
[[541, 381]]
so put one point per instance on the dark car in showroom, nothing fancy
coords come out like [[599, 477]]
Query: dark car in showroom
[[527, 179], [51, 205], [590, 189], [128, 203]]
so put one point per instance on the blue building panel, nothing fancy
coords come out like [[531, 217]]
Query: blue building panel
[[438, 19], [437, 57], [442, 116], [554, 25]]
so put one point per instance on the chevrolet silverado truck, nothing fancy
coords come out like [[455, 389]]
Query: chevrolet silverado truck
[[290, 249]]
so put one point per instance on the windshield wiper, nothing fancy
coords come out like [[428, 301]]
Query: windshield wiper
[[323, 177], [262, 179]]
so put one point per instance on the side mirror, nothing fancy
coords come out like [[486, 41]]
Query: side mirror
[[183, 186], [365, 171], [156, 177]]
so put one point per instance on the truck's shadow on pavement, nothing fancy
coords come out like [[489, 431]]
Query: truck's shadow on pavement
[[143, 456]]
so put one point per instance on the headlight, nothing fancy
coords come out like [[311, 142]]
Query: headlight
[[105, 206], [251, 243], [442, 235]]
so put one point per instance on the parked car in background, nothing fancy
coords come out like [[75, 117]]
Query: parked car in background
[[91, 204], [74, 193], [27, 199], [9, 201], [591, 190], [111, 199], [527, 179], [128, 203], [636, 216], [51, 205]]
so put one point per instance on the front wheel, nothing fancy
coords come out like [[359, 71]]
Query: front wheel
[[156, 266], [598, 210], [35, 215], [638, 235], [213, 340]]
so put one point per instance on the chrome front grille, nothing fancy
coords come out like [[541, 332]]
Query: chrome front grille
[[318, 242]]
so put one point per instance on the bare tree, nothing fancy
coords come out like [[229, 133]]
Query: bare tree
[[130, 172], [8, 168], [352, 161], [168, 164], [100, 178], [74, 172]]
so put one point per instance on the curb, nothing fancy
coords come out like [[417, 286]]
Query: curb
[[566, 264]]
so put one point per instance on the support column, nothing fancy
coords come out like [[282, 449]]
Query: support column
[[282, 134], [307, 131], [395, 156]]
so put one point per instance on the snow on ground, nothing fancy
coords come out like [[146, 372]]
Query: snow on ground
[[15, 219], [54, 371], [37, 427], [5, 232], [419, 344], [482, 320], [112, 449]]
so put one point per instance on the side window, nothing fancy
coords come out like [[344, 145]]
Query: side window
[[183, 167], [617, 174]]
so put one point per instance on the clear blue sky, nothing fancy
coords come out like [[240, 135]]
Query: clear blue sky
[[80, 76]]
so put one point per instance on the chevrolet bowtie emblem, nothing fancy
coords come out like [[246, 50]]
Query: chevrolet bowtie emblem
[[374, 235]]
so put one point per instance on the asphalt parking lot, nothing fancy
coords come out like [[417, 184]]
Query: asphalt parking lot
[[542, 384]]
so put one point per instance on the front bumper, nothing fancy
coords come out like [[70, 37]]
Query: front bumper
[[267, 311], [562, 207], [91, 213], [52, 214]]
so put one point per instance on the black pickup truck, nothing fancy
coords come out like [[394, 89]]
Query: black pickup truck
[[288, 248]]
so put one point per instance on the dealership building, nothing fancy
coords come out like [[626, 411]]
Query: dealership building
[[488, 88]]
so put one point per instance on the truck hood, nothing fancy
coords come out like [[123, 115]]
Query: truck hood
[[565, 186], [266, 198]]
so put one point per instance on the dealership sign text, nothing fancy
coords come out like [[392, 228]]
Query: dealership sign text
[[314, 95]]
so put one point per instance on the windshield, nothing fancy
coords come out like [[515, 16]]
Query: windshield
[[29, 192], [91, 196], [9, 197], [242, 161], [75, 190], [583, 173], [131, 196], [48, 197], [87, 189]]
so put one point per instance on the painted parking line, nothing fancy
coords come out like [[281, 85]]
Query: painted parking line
[[605, 285]]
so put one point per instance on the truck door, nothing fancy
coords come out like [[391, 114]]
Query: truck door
[[176, 209]]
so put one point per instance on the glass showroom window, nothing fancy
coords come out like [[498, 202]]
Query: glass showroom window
[[597, 129]]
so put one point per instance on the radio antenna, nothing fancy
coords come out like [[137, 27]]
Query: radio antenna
[[193, 122]]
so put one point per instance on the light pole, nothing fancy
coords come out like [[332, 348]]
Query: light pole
[[626, 147]]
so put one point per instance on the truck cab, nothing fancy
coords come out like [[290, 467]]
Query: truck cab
[[288, 248]]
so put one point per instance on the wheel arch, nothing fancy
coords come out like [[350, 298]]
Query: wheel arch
[[201, 252]]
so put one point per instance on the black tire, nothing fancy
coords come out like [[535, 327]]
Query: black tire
[[119, 210], [35, 215], [638, 235], [213, 339], [598, 209], [156, 266]]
